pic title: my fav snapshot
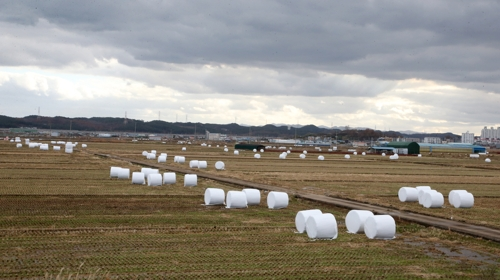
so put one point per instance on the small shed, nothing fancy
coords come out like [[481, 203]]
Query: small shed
[[413, 147], [245, 146]]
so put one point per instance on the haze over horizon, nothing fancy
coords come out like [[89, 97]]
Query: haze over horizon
[[425, 66]]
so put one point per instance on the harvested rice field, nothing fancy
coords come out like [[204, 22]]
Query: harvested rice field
[[61, 216]]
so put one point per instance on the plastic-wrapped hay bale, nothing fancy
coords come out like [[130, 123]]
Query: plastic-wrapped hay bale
[[380, 227], [301, 218], [32, 145], [419, 155], [44, 147], [288, 151], [145, 153], [363, 154], [153, 152], [421, 195], [421, 190], [408, 194], [124, 173], [162, 159], [261, 150], [463, 200], [154, 180], [383, 154], [226, 150], [214, 196], [254, 150], [163, 155], [113, 171], [193, 164], [169, 178], [253, 196], [347, 156], [18, 145], [487, 160], [323, 226], [304, 152], [183, 148], [236, 199], [181, 159], [151, 156], [433, 199], [147, 171], [256, 156], [236, 152], [68, 148], [302, 156], [451, 195], [277, 200], [202, 164], [282, 155], [355, 153], [321, 158], [190, 180], [355, 220], [56, 148], [84, 145], [138, 178], [219, 165]]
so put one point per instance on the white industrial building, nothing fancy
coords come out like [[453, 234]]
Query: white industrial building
[[432, 140], [212, 136], [490, 133], [468, 137]]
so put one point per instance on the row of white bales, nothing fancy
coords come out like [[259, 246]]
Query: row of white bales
[[429, 198], [316, 224], [68, 146]]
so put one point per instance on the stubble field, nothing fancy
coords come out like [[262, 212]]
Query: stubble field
[[61, 215]]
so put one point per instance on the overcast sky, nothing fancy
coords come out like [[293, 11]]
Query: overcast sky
[[427, 66]]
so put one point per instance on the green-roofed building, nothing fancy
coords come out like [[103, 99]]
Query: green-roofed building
[[412, 148]]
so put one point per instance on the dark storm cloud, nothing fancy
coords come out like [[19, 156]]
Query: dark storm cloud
[[451, 41]]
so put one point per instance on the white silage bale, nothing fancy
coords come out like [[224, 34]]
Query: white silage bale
[[323, 226], [256, 156], [487, 160], [282, 155], [18, 145], [219, 165], [451, 195], [183, 148], [56, 148], [151, 156], [380, 227], [84, 145], [408, 194], [202, 164], [163, 154], [253, 196], [277, 200], [181, 159], [214, 196], [124, 173], [254, 150], [383, 154], [463, 200], [301, 218], [190, 180], [236, 152], [153, 152], [145, 153], [433, 199], [355, 220], [226, 150], [261, 150], [321, 158], [236, 199], [421, 190], [155, 179], [347, 156], [304, 152], [162, 159], [169, 178], [363, 154], [193, 164], [113, 171], [302, 156], [138, 178]]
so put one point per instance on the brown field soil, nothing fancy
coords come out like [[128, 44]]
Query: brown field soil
[[61, 215]]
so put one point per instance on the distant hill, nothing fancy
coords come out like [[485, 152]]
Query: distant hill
[[118, 125]]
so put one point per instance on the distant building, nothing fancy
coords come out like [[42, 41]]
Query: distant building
[[212, 136], [432, 140], [408, 139], [468, 137], [491, 133]]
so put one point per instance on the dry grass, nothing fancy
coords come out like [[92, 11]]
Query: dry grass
[[58, 211]]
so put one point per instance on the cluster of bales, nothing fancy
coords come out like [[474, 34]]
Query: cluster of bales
[[244, 198], [320, 225], [430, 198], [68, 146], [151, 177], [200, 164]]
